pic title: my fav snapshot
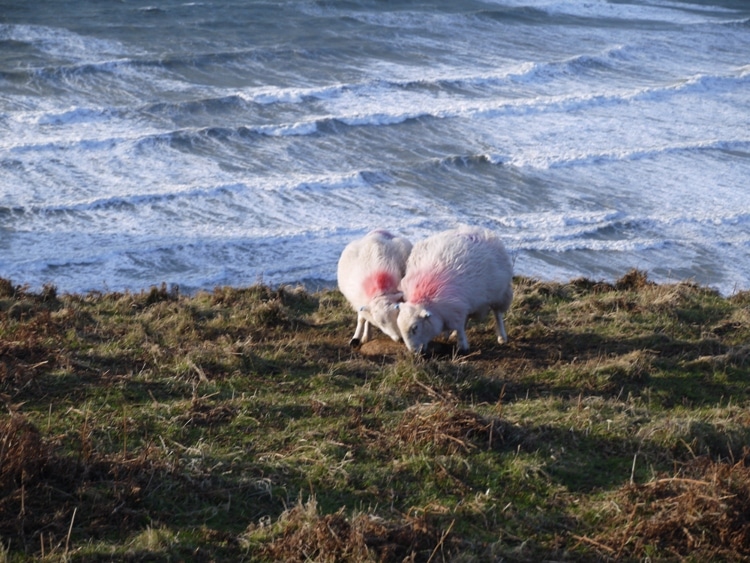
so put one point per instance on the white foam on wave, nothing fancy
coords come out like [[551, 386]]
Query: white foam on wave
[[665, 11], [375, 105], [282, 231], [300, 128], [76, 116], [386, 79], [372, 103], [392, 79], [682, 13], [59, 42], [283, 202], [563, 231], [566, 103], [630, 154], [285, 95], [400, 19], [144, 199], [561, 247]]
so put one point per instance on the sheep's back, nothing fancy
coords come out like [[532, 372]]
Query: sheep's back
[[467, 267]]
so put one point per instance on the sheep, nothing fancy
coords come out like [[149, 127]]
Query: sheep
[[369, 272], [451, 276]]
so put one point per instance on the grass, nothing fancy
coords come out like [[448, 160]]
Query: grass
[[238, 425]]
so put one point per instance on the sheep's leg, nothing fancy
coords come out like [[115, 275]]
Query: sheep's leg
[[454, 334], [502, 336], [463, 342], [368, 331], [361, 333]]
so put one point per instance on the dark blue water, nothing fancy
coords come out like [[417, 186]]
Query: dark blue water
[[211, 143]]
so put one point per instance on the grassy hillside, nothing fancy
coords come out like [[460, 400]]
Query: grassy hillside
[[238, 425]]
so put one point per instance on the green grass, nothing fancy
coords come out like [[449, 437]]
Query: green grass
[[239, 425]]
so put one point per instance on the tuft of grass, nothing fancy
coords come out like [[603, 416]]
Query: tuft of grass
[[152, 540], [302, 533], [238, 424]]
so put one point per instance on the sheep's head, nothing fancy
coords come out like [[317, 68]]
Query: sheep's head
[[418, 326], [382, 311]]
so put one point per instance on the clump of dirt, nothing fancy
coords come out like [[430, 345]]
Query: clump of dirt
[[381, 347]]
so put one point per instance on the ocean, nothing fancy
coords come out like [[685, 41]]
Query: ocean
[[211, 143]]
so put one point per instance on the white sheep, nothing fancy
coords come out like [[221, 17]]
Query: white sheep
[[369, 272], [451, 276]]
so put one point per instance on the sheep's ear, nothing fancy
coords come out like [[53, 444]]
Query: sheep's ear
[[425, 314], [399, 296]]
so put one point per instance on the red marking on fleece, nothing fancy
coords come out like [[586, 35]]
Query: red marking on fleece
[[426, 286], [379, 283]]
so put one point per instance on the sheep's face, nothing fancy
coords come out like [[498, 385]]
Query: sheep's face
[[418, 326], [383, 312]]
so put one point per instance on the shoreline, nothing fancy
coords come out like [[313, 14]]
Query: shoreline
[[320, 285]]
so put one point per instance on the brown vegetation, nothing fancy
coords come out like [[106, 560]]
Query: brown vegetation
[[701, 512]]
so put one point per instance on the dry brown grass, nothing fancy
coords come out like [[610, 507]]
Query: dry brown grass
[[448, 428], [701, 513], [335, 538]]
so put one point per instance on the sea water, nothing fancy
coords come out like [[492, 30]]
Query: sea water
[[207, 143]]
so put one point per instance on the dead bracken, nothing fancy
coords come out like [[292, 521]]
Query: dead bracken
[[702, 512], [307, 535]]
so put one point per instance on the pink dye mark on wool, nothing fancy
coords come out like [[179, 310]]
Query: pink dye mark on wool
[[379, 283], [426, 286]]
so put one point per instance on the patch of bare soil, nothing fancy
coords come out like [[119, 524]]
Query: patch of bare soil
[[379, 347]]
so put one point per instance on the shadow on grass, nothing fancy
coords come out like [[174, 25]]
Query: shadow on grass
[[122, 492], [566, 364]]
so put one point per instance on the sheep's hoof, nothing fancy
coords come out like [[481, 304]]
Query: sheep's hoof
[[355, 343]]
